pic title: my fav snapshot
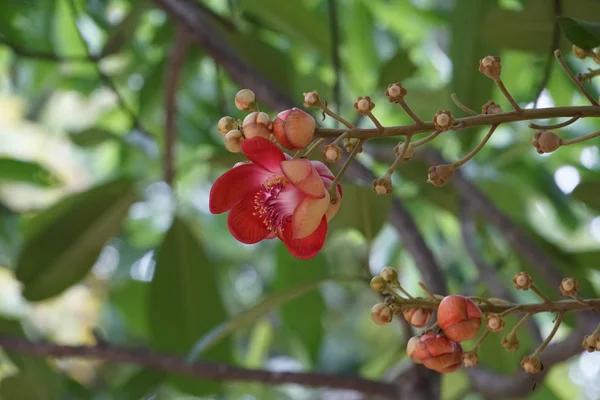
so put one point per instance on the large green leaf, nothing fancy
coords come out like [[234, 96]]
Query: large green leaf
[[185, 303], [581, 33], [13, 170], [302, 317], [35, 380], [64, 241], [361, 59], [129, 299], [362, 209], [28, 23]]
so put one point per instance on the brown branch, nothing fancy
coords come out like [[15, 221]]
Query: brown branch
[[175, 63], [200, 369]]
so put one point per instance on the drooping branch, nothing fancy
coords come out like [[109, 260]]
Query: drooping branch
[[201, 369]]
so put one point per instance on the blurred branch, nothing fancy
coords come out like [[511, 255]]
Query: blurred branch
[[335, 53], [175, 62], [554, 43], [202, 369], [41, 55]]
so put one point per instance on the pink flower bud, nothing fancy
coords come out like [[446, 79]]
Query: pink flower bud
[[294, 129], [257, 124]]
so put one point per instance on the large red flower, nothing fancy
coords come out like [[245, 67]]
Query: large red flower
[[275, 195]]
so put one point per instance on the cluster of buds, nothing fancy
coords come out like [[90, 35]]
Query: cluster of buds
[[293, 129]]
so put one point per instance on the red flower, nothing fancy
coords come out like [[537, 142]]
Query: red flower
[[274, 195]]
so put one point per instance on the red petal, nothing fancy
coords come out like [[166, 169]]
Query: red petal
[[234, 185], [244, 225], [323, 170], [308, 247], [263, 152], [304, 177]]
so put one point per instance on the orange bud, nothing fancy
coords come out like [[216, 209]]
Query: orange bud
[[418, 317], [294, 129], [439, 353], [257, 124], [411, 348], [381, 314], [459, 317]]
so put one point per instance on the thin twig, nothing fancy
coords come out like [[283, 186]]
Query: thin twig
[[557, 323], [507, 94], [565, 68], [399, 158], [410, 112], [554, 44], [466, 158], [555, 126], [460, 105], [342, 171], [375, 121], [312, 147], [175, 63], [566, 142], [199, 369], [335, 116]]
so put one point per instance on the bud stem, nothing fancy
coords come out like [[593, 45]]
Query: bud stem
[[566, 142], [312, 147], [399, 158], [565, 68], [481, 300], [410, 112], [333, 115], [462, 106], [542, 346], [555, 126], [380, 128], [480, 340], [540, 294], [343, 136], [508, 96], [342, 171], [466, 158], [431, 296], [520, 323], [426, 139]]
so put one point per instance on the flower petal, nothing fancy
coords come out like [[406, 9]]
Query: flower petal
[[334, 208], [234, 185], [244, 225], [309, 246], [308, 215], [304, 177], [323, 170], [263, 152]]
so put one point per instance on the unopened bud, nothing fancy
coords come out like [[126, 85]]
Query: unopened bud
[[411, 348], [490, 66], [377, 283], [418, 317], [383, 185], [245, 99], [381, 314], [233, 141], [389, 275], [410, 151], [569, 287], [257, 124], [470, 359], [227, 124], [332, 153], [443, 120], [589, 343], [294, 129], [364, 105], [546, 142], [491, 108], [522, 281], [395, 92], [494, 322], [510, 342], [312, 99], [440, 174], [531, 364]]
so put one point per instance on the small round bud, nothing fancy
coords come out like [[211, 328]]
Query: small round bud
[[257, 124], [459, 317], [364, 105], [233, 141], [443, 120], [389, 275], [494, 322], [411, 348], [418, 317], [522, 281], [350, 144], [439, 353], [332, 153], [569, 287], [377, 283], [490, 66], [440, 174], [589, 343], [491, 108], [546, 142], [510, 342], [531, 364], [245, 99], [410, 151], [294, 129], [383, 185], [580, 53], [381, 314], [227, 124], [470, 359], [311, 99], [395, 92]]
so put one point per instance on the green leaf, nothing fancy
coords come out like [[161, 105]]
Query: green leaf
[[10, 237], [129, 299], [581, 33], [362, 209], [142, 382], [122, 34], [184, 303], [13, 170], [64, 242], [92, 137], [361, 57], [301, 318], [396, 69], [35, 380], [587, 192]]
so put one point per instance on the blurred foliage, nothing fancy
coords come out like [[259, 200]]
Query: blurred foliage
[[84, 216]]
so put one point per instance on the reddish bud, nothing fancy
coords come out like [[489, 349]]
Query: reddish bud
[[411, 348], [546, 142], [439, 353], [294, 129], [418, 317], [257, 124], [490, 66], [440, 174], [381, 314], [459, 318], [312, 99], [531, 364]]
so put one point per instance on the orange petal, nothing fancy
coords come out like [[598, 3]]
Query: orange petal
[[304, 177], [308, 215], [334, 208]]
